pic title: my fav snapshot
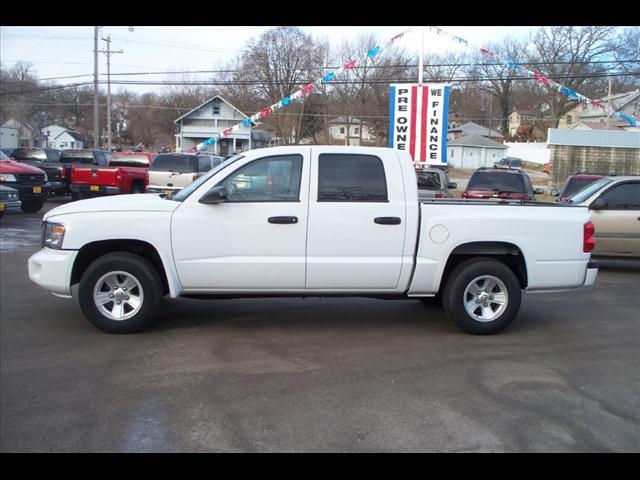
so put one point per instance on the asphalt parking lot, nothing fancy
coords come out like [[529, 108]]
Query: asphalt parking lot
[[317, 374]]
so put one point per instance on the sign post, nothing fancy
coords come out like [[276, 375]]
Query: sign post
[[418, 121]]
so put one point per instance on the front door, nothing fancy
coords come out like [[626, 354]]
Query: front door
[[357, 220], [618, 224], [256, 240]]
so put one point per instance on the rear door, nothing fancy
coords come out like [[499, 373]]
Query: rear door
[[618, 225], [356, 221]]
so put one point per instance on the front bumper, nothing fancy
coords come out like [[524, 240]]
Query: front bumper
[[10, 206], [592, 273], [31, 192], [51, 269], [59, 187], [87, 190]]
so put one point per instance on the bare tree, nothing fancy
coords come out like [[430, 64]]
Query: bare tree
[[567, 52]]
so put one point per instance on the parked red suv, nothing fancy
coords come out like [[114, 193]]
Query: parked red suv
[[31, 183], [510, 184], [125, 173]]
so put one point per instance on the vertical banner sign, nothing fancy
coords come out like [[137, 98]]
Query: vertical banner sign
[[418, 121]]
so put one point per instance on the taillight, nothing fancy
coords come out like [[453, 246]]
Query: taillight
[[464, 195], [439, 195], [147, 179], [589, 243], [63, 173]]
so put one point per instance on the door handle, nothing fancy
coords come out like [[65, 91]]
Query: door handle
[[283, 220], [387, 220]]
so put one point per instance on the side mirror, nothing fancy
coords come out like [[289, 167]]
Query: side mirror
[[598, 204], [538, 191], [554, 192], [215, 195], [453, 185]]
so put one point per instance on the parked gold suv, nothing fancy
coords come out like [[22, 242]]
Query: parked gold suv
[[614, 203]]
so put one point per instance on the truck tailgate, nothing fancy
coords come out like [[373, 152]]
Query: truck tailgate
[[95, 176]]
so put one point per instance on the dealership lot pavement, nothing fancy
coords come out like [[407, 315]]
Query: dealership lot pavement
[[317, 374]]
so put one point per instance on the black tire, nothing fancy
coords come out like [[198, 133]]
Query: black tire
[[31, 206], [132, 264], [137, 188], [75, 196], [454, 293]]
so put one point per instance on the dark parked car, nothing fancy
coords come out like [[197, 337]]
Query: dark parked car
[[47, 159], [508, 184], [509, 162], [575, 183], [433, 183]]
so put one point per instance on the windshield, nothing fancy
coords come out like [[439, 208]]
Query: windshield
[[574, 185], [429, 181], [192, 187], [496, 181], [174, 163], [77, 157], [120, 160], [589, 190]]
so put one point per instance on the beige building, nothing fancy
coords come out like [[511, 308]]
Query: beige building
[[627, 103]]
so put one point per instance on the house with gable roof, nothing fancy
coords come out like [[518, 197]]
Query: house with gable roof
[[211, 118]]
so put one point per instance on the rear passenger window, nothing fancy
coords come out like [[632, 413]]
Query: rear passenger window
[[351, 178], [623, 197]]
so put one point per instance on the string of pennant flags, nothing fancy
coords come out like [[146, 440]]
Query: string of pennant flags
[[298, 94], [541, 79], [327, 78]]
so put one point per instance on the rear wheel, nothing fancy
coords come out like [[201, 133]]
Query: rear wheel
[[482, 296], [120, 293], [31, 206], [137, 188]]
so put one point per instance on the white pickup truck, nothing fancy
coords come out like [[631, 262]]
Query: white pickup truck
[[311, 221]]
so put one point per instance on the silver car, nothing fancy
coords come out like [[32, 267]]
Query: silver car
[[615, 212], [434, 183]]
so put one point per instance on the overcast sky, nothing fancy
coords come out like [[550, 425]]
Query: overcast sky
[[65, 51]]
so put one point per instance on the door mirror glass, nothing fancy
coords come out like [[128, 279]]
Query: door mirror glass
[[554, 192], [453, 185], [539, 191], [599, 203], [215, 195]]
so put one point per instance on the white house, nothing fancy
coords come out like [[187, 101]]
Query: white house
[[62, 138], [209, 119], [474, 151], [9, 137], [342, 127]]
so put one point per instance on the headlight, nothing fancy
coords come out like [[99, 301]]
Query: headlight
[[52, 234], [7, 177], [13, 196]]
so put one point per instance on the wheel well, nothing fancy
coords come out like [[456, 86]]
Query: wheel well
[[504, 252], [92, 251]]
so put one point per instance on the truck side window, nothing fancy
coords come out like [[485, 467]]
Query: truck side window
[[351, 178], [269, 179], [204, 164], [623, 197]]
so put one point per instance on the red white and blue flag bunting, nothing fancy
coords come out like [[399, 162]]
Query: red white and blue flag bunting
[[541, 78], [298, 94], [418, 121]]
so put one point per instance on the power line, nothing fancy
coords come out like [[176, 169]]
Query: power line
[[333, 82]]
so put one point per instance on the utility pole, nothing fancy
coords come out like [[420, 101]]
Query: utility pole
[[95, 88], [108, 52]]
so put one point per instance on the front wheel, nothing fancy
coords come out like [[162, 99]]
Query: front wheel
[[120, 293], [482, 296], [31, 206]]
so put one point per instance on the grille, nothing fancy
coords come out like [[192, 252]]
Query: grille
[[30, 178]]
